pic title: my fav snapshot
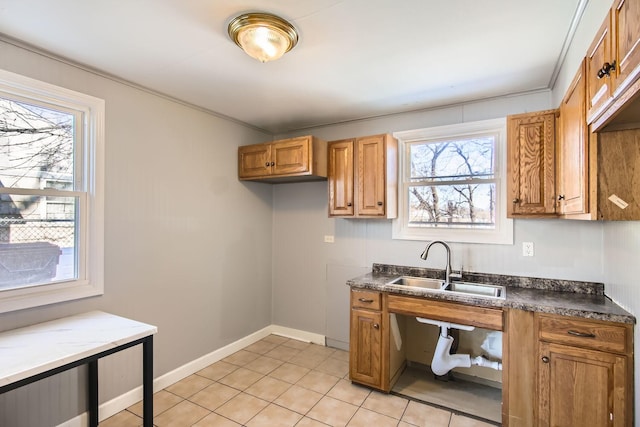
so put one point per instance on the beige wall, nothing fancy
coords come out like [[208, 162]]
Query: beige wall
[[187, 246], [309, 290], [181, 231]]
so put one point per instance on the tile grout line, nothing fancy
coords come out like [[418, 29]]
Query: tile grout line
[[296, 350]]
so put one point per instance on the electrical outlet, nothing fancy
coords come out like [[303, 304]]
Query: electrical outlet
[[527, 248], [328, 239]]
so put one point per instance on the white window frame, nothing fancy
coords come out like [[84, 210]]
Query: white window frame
[[90, 222], [503, 231]]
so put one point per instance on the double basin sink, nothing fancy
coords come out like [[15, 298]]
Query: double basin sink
[[463, 288]]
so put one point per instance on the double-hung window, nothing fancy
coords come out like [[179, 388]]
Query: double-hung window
[[452, 184], [51, 193]]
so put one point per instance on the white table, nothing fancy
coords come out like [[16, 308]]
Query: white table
[[35, 352]]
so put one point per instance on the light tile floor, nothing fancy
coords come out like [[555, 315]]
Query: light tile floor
[[283, 382]]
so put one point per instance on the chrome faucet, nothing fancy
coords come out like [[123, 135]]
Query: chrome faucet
[[447, 271]]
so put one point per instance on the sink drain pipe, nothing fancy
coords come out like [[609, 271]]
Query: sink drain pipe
[[442, 361]]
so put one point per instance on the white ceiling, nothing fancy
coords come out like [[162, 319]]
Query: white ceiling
[[355, 58]]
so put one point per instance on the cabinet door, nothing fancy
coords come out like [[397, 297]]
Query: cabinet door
[[341, 178], [254, 160], [599, 89], [579, 387], [626, 46], [531, 164], [371, 173], [290, 156], [573, 149], [365, 348]]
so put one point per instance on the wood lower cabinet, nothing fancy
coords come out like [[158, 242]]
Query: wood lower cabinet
[[366, 350], [584, 375], [580, 387], [288, 160], [366, 339], [363, 176], [531, 167], [566, 371]]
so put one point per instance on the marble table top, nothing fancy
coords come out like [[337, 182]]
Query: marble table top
[[31, 350]]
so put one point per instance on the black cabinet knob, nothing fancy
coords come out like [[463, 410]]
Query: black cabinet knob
[[606, 70], [545, 359]]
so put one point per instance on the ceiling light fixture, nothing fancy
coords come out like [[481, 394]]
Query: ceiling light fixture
[[263, 36]]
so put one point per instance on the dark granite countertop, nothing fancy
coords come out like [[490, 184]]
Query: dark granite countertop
[[565, 297]]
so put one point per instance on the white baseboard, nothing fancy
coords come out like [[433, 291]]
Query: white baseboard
[[113, 406], [297, 334]]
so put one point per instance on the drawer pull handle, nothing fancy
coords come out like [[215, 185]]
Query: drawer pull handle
[[580, 334], [545, 359], [368, 301], [376, 326]]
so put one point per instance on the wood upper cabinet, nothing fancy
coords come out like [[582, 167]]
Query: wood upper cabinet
[[295, 159], [572, 149], [365, 339], [531, 164], [341, 178], [625, 20], [613, 61], [599, 58], [363, 174], [584, 375]]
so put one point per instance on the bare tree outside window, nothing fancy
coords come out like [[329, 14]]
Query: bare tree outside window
[[37, 215], [452, 183]]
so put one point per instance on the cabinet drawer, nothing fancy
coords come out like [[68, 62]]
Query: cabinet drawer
[[613, 337], [366, 299]]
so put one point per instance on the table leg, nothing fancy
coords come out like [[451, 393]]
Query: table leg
[[93, 392], [147, 381]]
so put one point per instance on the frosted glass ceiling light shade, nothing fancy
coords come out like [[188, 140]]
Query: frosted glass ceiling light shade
[[263, 36]]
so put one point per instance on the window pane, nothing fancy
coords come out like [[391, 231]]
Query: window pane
[[37, 240], [463, 206], [453, 160], [36, 145]]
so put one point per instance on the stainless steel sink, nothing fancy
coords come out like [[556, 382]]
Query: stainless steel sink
[[419, 282], [463, 288], [476, 289]]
